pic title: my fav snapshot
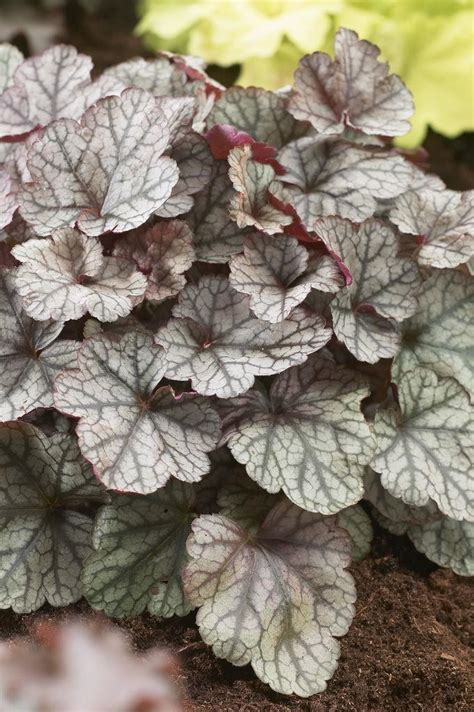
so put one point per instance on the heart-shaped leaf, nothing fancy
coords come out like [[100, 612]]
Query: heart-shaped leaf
[[135, 435], [215, 341], [274, 599], [44, 534], [163, 252], [330, 176], [425, 449], [443, 222], [105, 173], [354, 90], [66, 276], [441, 333], [307, 436], [278, 273], [29, 360]]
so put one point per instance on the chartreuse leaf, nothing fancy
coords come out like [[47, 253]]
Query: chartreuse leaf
[[29, 360], [136, 435], [445, 541], [140, 550], [307, 436], [105, 173], [425, 448], [278, 273], [353, 90], [274, 598], [44, 534], [67, 275], [214, 340], [383, 288]]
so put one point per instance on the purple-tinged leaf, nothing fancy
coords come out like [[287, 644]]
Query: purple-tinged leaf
[[163, 252], [252, 181], [443, 222], [278, 274], [66, 276], [214, 339], [105, 173], [44, 536], [307, 436], [136, 435], [29, 360], [222, 138], [329, 176], [354, 90], [276, 598], [383, 290]]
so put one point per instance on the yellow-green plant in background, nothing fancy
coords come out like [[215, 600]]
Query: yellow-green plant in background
[[429, 43]]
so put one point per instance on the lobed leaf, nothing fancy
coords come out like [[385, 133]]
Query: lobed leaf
[[214, 340], [278, 273], [355, 90], [307, 436], [44, 536], [275, 598], [106, 173], [29, 360], [66, 276], [136, 435]]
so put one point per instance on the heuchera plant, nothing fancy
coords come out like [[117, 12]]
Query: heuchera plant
[[227, 317]]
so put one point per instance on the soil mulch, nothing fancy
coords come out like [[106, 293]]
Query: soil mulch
[[408, 649]]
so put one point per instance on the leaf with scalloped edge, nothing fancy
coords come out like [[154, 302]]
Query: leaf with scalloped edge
[[66, 276], [136, 435], [44, 534], [214, 339], [355, 90], [275, 598], [10, 60], [260, 113], [382, 292], [441, 333], [252, 181], [357, 524], [307, 436], [425, 448], [278, 273], [43, 88], [443, 222], [29, 360], [106, 173], [330, 176], [163, 252], [158, 76], [8, 199], [139, 552]]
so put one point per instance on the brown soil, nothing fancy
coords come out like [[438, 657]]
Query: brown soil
[[408, 648]]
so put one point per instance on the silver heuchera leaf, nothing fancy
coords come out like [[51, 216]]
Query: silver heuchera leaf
[[216, 236], [262, 114], [10, 60], [441, 333], [425, 450], [43, 535], [136, 435], [382, 292], [8, 199], [105, 173], [159, 76], [354, 90], [329, 176], [274, 599], [43, 89], [215, 341], [163, 252], [66, 276], [443, 221], [278, 273], [307, 437], [140, 550], [359, 527], [252, 181], [29, 360]]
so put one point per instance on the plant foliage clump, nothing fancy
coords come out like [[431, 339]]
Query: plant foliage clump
[[227, 318]]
